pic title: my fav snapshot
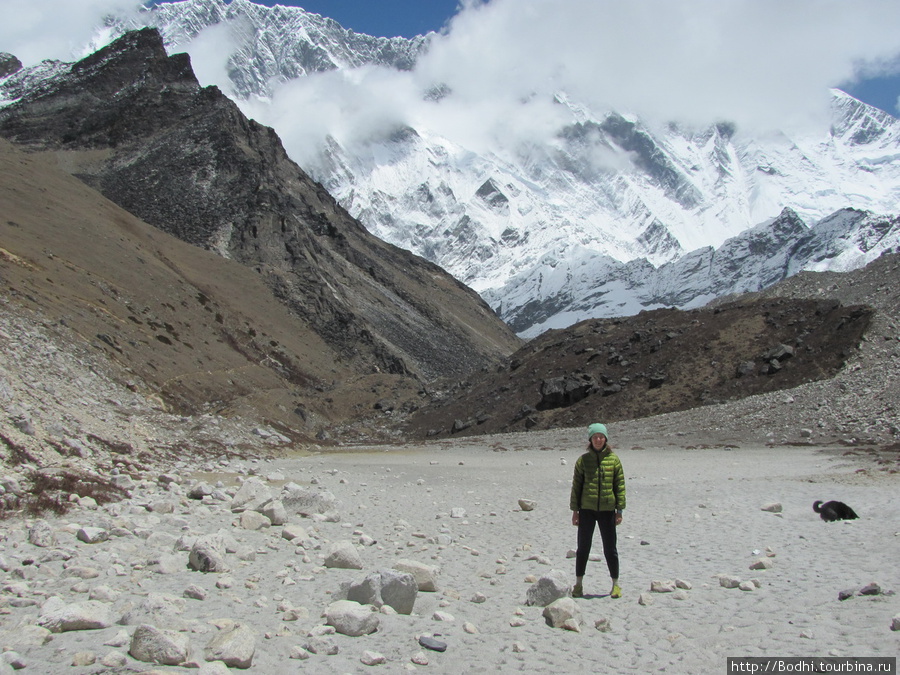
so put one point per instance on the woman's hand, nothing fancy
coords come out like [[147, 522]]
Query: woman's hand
[[618, 519], [575, 518]]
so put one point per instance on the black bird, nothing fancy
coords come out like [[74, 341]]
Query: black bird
[[830, 511]]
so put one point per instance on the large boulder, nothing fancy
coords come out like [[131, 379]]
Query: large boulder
[[252, 494], [157, 645], [208, 554], [351, 618], [395, 589], [547, 589], [558, 392], [87, 615], [234, 646], [563, 613], [343, 555], [303, 502], [425, 575], [41, 534]]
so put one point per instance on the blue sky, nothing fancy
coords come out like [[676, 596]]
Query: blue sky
[[383, 18], [882, 92]]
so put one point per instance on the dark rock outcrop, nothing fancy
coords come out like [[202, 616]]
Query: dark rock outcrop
[[9, 64], [656, 362]]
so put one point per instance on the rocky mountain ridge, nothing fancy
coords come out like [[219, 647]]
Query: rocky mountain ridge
[[134, 123]]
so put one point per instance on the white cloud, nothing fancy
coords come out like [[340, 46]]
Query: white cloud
[[763, 64], [759, 63], [209, 53], [755, 62], [35, 30]]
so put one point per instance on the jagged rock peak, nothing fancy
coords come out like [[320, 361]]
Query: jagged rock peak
[[9, 64], [139, 49]]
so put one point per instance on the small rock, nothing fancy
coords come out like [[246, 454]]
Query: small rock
[[253, 520], [300, 653], [114, 660], [92, 535], [870, 589], [14, 660], [84, 659], [322, 645], [194, 593], [662, 586], [432, 644], [41, 534], [370, 658], [728, 581], [207, 554], [293, 532]]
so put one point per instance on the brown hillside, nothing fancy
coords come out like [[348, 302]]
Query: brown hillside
[[202, 333]]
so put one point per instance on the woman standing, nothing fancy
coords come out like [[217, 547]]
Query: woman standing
[[598, 497]]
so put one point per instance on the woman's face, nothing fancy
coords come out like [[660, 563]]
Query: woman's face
[[598, 441]]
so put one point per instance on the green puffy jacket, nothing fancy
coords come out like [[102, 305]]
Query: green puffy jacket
[[598, 482]]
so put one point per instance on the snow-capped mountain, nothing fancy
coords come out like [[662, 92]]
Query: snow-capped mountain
[[269, 44], [559, 292], [609, 216]]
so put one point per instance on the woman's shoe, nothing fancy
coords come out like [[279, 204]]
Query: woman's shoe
[[577, 591], [616, 592]]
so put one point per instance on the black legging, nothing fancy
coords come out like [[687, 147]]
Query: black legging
[[606, 520]]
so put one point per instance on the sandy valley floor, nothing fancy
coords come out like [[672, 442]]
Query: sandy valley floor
[[692, 514]]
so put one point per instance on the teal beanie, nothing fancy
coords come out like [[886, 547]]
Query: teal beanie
[[597, 429]]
